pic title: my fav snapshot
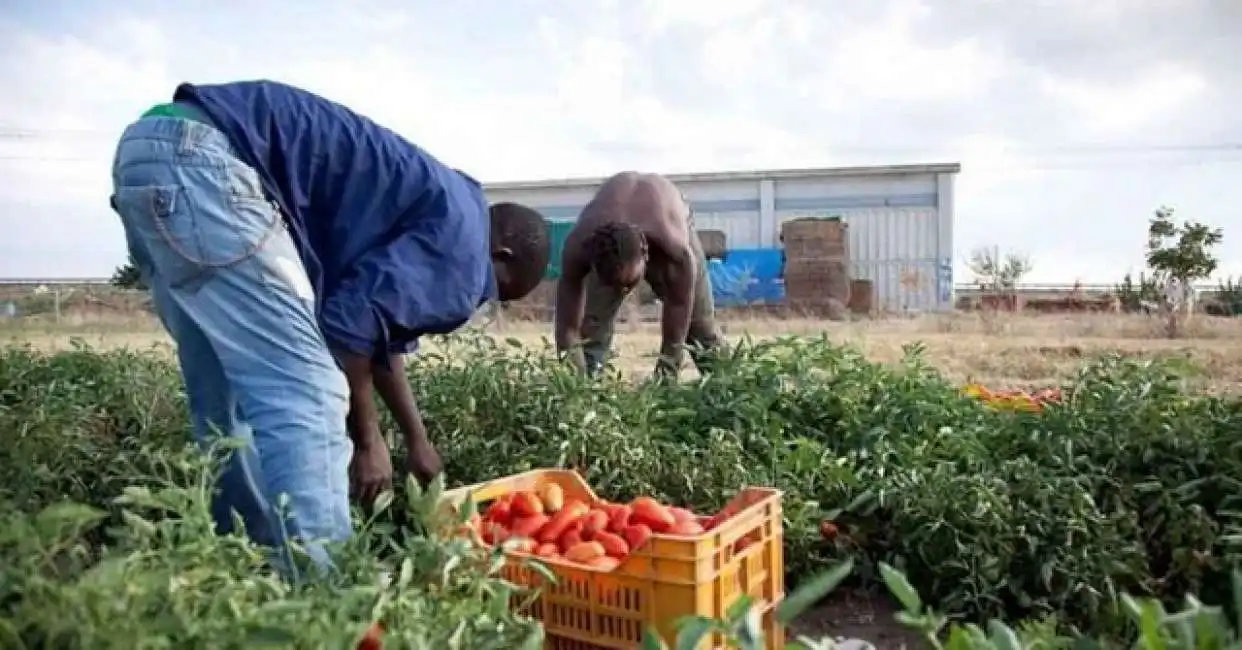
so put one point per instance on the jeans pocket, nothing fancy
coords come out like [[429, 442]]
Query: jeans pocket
[[243, 183], [192, 231]]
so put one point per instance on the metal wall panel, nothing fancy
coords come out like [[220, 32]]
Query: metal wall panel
[[566, 203], [741, 229], [894, 230], [900, 223], [856, 187], [896, 248], [729, 194], [555, 203]]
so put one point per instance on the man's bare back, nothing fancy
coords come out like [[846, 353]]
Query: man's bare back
[[649, 202], [637, 226]]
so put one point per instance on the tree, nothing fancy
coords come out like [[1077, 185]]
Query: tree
[[126, 276], [996, 275], [1135, 296], [1179, 254]]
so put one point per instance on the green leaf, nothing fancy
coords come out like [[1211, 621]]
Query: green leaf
[[739, 608], [405, 574], [9, 638], [269, 637], [279, 608], [749, 631], [691, 631], [67, 519], [382, 501], [1149, 626], [533, 640], [652, 641], [812, 592], [138, 524], [542, 569], [1236, 579], [1003, 636], [900, 587]]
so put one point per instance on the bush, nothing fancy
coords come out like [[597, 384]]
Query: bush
[[1129, 485]]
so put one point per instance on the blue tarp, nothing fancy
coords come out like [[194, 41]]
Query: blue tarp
[[747, 276]]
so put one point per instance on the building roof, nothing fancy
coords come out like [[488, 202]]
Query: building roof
[[753, 175]]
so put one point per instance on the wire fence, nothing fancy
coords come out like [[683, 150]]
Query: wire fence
[[71, 302]]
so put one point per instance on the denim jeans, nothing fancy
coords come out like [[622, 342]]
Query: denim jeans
[[231, 290]]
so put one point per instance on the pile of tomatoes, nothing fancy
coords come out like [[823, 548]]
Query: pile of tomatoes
[[546, 524], [1015, 399]]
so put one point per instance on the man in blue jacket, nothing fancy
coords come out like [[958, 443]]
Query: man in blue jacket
[[295, 250]]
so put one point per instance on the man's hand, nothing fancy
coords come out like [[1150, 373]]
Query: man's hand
[[370, 471], [370, 468], [666, 369], [393, 385], [423, 461], [576, 357]]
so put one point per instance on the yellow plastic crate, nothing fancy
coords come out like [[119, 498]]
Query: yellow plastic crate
[[659, 582]]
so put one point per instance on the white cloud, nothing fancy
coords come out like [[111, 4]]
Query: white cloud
[[1128, 105], [653, 85], [882, 61], [66, 101], [661, 15]]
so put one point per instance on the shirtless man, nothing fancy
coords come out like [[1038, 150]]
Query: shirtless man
[[637, 227]]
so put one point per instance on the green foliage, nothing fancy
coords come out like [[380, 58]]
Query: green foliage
[[996, 273], [165, 580], [127, 276], [1132, 294], [1196, 626], [1182, 251], [1229, 297], [1130, 485]]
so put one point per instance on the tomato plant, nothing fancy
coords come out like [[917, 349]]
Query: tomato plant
[[1123, 483]]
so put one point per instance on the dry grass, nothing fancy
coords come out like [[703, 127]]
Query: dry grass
[[1000, 350]]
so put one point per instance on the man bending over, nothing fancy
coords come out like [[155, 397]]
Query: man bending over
[[295, 250], [638, 226]]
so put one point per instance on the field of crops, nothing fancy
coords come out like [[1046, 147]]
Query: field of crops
[[1127, 482]]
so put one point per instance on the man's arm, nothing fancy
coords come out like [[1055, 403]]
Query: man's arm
[[390, 287], [370, 468], [571, 303], [677, 309], [363, 420], [394, 387]]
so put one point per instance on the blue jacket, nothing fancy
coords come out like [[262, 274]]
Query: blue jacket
[[396, 244]]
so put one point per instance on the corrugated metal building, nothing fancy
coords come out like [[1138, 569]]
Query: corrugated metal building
[[900, 218]]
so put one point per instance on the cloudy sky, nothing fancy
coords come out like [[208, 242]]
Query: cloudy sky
[[1072, 120]]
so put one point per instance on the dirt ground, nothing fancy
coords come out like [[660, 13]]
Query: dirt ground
[[856, 615], [999, 350]]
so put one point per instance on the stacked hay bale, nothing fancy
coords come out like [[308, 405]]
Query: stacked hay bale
[[817, 266], [862, 297]]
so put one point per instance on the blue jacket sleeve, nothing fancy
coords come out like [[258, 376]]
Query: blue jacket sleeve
[[396, 293], [349, 320]]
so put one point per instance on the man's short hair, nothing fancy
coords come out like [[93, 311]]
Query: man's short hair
[[525, 232], [614, 246]]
